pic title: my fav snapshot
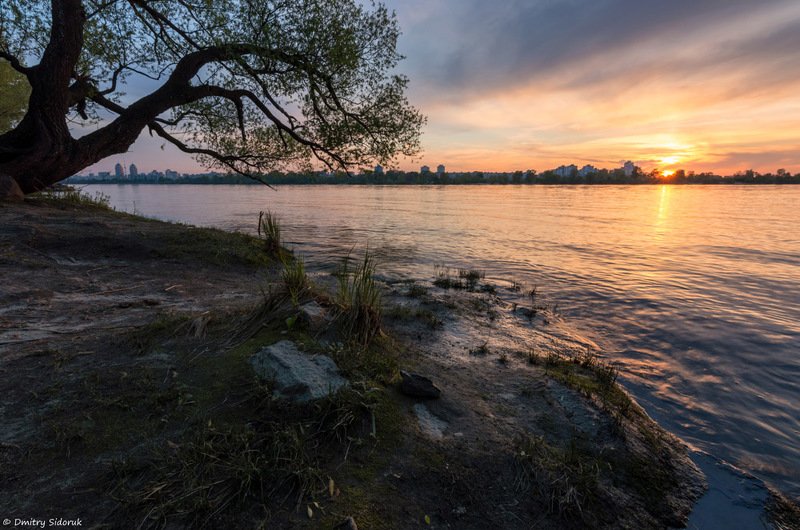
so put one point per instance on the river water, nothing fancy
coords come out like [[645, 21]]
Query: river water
[[693, 290]]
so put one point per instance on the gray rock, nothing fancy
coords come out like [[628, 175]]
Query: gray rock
[[430, 424], [9, 189], [419, 386], [297, 376]]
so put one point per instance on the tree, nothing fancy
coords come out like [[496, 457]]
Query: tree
[[14, 92], [244, 85]]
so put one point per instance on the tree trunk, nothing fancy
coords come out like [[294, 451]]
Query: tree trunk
[[40, 151]]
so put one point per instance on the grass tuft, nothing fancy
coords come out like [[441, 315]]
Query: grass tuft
[[445, 280], [567, 479], [416, 291], [471, 277], [294, 278], [467, 279], [359, 300], [269, 229], [481, 350]]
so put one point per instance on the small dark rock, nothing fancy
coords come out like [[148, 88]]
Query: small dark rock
[[419, 386], [347, 524]]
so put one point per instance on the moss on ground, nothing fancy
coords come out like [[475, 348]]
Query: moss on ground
[[212, 246]]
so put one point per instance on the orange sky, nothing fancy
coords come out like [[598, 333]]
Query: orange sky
[[716, 90]]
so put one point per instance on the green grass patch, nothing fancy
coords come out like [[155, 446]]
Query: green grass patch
[[210, 245], [69, 196], [591, 377]]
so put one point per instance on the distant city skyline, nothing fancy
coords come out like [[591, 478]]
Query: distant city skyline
[[626, 168]]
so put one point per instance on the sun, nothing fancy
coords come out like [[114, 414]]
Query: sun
[[667, 172]]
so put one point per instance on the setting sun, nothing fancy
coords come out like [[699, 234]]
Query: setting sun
[[667, 172]]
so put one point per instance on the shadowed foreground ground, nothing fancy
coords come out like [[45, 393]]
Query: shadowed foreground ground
[[127, 398]]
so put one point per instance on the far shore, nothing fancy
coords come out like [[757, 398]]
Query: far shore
[[364, 182]]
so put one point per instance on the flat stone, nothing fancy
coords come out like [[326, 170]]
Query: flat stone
[[431, 425], [297, 376], [419, 386]]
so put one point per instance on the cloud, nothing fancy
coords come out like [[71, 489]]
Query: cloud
[[537, 83], [466, 47]]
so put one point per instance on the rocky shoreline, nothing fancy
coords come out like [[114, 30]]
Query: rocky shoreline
[[141, 388]]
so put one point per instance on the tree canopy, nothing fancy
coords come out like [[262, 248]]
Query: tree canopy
[[244, 85], [14, 92]]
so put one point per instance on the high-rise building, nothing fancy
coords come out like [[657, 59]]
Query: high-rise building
[[119, 171], [629, 168], [379, 169], [567, 171], [425, 169], [440, 170], [133, 171]]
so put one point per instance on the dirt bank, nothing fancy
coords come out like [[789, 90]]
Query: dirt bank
[[127, 398]]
